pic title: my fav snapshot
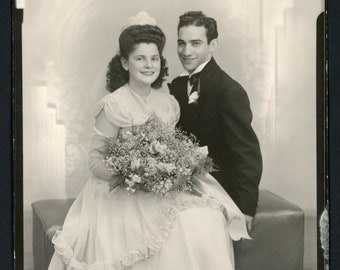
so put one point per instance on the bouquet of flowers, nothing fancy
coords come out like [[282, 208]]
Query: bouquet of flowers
[[157, 158]]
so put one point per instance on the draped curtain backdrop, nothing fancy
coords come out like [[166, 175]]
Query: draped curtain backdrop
[[268, 46]]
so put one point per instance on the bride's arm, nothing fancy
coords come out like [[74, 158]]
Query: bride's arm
[[103, 130]]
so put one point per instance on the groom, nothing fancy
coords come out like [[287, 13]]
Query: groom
[[216, 109]]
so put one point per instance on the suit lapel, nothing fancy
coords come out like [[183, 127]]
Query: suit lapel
[[206, 85], [207, 79]]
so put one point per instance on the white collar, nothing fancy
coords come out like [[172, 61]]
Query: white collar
[[197, 70]]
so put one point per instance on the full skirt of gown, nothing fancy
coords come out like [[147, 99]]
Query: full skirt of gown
[[115, 230]]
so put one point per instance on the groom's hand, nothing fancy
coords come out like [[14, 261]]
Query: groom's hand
[[249, 222]]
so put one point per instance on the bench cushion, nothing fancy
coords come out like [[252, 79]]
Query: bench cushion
[[277, 237]]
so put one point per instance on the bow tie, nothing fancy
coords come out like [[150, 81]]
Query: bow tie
[[193, 78]]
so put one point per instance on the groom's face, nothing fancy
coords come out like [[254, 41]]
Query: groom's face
[[192, 47]]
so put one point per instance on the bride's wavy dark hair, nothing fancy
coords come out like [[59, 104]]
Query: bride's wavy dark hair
[[116, 75]]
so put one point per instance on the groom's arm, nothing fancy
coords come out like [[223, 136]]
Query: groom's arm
[[244, 146], [174, 87], [171, 88]]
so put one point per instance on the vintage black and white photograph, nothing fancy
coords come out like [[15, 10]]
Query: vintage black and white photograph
[[170, 134]]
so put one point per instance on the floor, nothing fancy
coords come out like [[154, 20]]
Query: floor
[[310, 258]]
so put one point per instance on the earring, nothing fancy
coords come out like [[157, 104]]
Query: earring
[[126, 68]]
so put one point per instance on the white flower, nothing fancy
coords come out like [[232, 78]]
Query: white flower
[[126, 134], [131, 190], [193, 98], [202, 151], [166, 167], [161, 148], [185, 171], [152, 171], [135, 164], [136, 179], [157, 147], [193, 161], [168, 185]]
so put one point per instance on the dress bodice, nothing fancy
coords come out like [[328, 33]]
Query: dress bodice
[[125, 108]]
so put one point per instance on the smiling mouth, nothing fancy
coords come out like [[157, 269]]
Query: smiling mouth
[[148, 73], [188, 59]]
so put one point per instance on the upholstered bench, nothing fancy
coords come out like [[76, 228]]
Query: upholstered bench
[[277, 235]]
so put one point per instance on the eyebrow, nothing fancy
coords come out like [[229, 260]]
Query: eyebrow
[[192, 40], [143, 55]]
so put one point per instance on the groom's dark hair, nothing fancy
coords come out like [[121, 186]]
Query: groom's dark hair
[[198, 18]]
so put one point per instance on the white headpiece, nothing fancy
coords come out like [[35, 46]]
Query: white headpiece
[[141, 18]]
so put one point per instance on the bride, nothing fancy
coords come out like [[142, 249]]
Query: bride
[[115, 230]]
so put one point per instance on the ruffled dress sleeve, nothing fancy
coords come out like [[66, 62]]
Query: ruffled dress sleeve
[[114, 108], [99, 141]]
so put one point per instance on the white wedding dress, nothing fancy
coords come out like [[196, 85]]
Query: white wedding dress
[[114, 230]]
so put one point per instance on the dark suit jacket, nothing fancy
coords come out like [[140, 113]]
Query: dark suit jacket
[[222, 121]]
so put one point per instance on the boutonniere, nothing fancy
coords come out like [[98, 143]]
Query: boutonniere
[[193, 98]]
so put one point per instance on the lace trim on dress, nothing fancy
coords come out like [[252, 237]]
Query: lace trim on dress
[[145, 250]]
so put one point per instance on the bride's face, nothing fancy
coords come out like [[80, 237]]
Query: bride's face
[[144, 64]]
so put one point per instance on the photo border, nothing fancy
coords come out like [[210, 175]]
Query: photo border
[[322, 133]]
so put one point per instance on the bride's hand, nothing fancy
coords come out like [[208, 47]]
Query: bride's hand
[[249, 222], [115, 182]]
